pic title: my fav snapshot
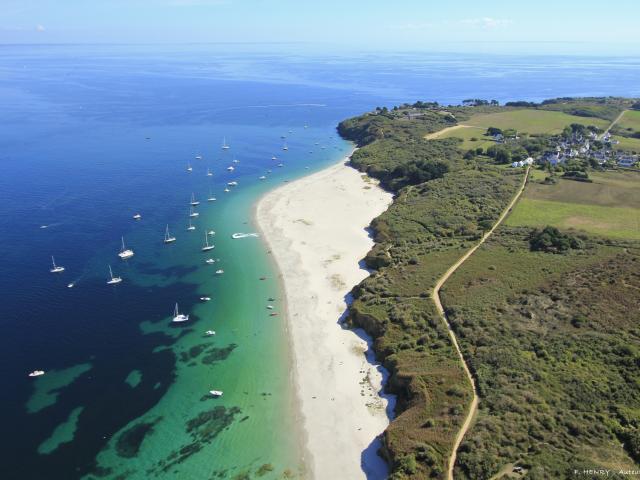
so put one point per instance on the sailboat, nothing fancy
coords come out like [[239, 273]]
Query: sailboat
[[224, 144], [206, 246], [179, 317], [194, 202], [189, 168], [285, 147], [209, 174], [167, 236], [113, 280], [230, 168], [125, 252], [55, 268], [211, 197], [193, 214], [190, 228]]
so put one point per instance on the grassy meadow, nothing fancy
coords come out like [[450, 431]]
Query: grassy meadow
[[608, 207], [532, 121]]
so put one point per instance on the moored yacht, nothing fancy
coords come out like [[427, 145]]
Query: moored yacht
[[193, 201], [216, 393], [113, 280], [193, 213], [206, 247], [137, 216], [125, 252], [55, 268], [224, 144], [179, 317], [167, 236], [36, 373], [190, 228]]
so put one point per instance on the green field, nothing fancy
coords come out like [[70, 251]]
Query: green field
[[612, 222], [610, 206], [532, 121], [627, 144], [630, 119], [467, 134], [524, 120]]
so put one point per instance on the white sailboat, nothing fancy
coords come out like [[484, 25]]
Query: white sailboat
[[209, 174], [274, 158], [113, 280], [167, 236], [206, 247], [125, 252], [137, 216], [285, 147], [39, 373], [211, 198], [224, 144], [194, 202], [189, 167], [179, 317], [190, 228], [55, 268], [230, 168], [193, 214]]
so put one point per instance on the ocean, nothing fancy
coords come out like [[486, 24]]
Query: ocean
[[90, 136]]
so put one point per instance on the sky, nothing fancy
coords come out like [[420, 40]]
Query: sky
[[537, 26]]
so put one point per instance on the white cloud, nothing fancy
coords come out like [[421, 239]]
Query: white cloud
[[40, 28], [487, 22]]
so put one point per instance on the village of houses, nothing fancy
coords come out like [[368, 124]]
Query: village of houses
[[580, 146]]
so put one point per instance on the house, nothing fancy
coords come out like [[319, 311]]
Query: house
[[528, 161], [626, 161]]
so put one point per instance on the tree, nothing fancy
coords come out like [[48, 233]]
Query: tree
[[503, 156], [492, 131], [550, 239]]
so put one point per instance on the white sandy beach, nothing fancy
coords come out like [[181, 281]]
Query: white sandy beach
[[315, 228]]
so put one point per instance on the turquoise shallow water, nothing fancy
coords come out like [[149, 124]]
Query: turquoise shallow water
[[91, 135]]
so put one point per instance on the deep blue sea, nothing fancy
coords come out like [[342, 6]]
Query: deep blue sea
[[91, 135]]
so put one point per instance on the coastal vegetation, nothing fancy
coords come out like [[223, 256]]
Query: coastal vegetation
[[542, 311]]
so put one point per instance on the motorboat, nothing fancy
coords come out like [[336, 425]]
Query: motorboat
[[36, 373]]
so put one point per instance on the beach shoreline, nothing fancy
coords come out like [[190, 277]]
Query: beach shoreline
[[316, 230]]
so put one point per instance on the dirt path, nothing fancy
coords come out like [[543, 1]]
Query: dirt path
[[616, 120], [436, 298], [440, 133]]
